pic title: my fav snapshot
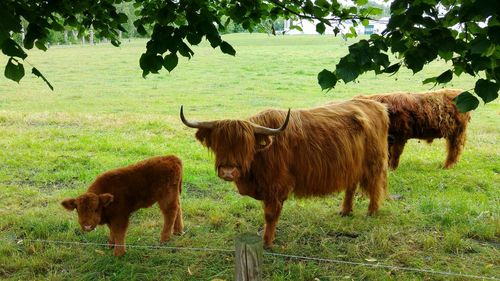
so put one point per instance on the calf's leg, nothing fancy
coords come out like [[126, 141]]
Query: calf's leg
[[119, 227], [169, 205], [179, 224], [111, 239]]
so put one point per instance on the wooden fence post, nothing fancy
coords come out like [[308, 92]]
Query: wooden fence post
[[248, 257]]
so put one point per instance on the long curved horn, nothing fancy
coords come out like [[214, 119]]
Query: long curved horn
[[195, 124], [268, 131]]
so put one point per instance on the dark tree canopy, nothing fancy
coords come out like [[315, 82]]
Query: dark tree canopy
[[463, 32]]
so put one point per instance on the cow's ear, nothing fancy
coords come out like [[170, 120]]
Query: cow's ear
[[106, 199], [69, 204], [203, 135], [263, 142]]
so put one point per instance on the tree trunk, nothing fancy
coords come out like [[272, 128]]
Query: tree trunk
[[75, 34], [66, 36], [91, 35], [23, 34]]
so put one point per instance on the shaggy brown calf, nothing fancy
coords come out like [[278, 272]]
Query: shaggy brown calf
[[116, 194], [424, 116], [314, 152]]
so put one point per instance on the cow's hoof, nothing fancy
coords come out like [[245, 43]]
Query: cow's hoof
[[268, 246], [119, 253], [345, 213]]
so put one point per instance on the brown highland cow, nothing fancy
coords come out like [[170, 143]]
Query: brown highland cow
[[424, 116], [313, 152], [116, 194]]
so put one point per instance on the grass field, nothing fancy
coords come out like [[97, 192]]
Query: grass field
[[103, 115]]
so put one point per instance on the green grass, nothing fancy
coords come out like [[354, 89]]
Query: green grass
[[103, 115]]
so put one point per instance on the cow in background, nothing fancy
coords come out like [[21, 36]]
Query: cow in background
[[116, 194], [424, 116], [313, 152]]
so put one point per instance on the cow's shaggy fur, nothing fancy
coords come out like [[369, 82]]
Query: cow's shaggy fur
[[116, 194], [424, 116], [323, 150]]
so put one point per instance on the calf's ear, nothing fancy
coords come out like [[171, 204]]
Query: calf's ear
[[69, 204], [263, 142], [105, 199]]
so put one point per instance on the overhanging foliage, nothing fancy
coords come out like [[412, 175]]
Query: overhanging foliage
[[464, 32]]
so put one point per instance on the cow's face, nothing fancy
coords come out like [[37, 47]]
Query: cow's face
[[89, 207], [234, 144]]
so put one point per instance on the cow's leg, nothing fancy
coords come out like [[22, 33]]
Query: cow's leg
[[376, 187], [348, 198], [272, 211], [179, 224], [169, 206], [454, 145], [395, 151], [119, 228]]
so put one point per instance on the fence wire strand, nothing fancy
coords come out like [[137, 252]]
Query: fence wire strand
[[296, 257]]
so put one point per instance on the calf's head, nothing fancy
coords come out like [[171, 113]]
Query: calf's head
[[89, 207], [234, 143]]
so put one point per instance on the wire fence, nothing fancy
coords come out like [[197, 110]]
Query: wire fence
[[296, 257]]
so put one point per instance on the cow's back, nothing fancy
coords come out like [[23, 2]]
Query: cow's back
[[140, 185], [422, 115], [324, 149]]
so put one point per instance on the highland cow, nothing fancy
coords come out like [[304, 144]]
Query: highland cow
[[424, 116], [313, 152], [116, 194]]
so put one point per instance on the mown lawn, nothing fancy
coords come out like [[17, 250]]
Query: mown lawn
[[103, 115]]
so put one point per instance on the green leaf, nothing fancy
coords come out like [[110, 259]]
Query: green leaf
[[185, 51], [347, 71], [445, 77], [194, 38], [365, 22], [14, 71], [150, 63], [40, 45], [226, 48], [353, 31], [479, 45], [170, 61], [322, 3], [361, 2], [375, 11], [214, 40], [445, 55], [393, 68], [466, 102], [296, 27], [494, 34], [39, 74], [141, 30], [12, 49], [487, 90], [320, 28], [430, 80], [326, 79], [414, 60]]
